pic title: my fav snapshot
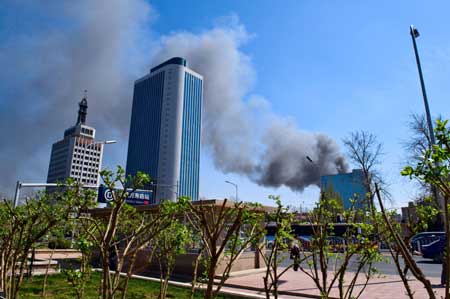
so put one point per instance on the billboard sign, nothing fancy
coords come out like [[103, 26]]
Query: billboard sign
[[138, 197]]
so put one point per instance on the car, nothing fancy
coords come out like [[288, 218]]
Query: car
[[424, 238], [434, 250]]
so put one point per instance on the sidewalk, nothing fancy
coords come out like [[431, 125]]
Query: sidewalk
[[294, 284]]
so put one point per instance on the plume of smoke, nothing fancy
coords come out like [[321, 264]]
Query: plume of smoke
[[93, 45], [284, 161], [228, 76], [275, 158], [102, 46]]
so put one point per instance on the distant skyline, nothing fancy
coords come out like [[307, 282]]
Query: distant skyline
[[320, 67]]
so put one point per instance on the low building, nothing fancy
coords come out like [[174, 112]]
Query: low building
[[184, 264], [409, 213], [346, 186]]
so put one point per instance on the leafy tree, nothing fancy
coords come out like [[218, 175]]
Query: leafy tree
[[283, 236], [401, 248], [166, 247], [390, 231], [78, 278], [416, 146], [23, 226], [328, 253], [122, 231], [226, 231], [434, 169]]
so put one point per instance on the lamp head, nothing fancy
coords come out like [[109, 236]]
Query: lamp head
[[414, 32]]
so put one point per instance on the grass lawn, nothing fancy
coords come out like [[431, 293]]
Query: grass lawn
[[59, 288]]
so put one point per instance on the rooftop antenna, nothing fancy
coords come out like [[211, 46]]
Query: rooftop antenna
[[82, 111]]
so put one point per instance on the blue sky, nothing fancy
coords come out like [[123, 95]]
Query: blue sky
[[335, 67], [331, 66]]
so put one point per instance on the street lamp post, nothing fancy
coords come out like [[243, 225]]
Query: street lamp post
[[414, 34], [84, 154], [235, 186]]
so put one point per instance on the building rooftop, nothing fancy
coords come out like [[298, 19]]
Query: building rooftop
[[173, 60], [217, 203]]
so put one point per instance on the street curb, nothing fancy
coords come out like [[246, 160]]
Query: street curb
[[244, 272], [188, 285], [280, 292], [226, 285]]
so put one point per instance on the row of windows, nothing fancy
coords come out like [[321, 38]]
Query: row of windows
[[92, 167], [85, 162], [57, 164], [57, 173], [58, 160], [190, 141], [143, 147], [87, 181], [93, 182], [86, 143], [58, 150], [86, 158], [84, 174], [82, 150], [167, 116], [59, 157], [87, 131]]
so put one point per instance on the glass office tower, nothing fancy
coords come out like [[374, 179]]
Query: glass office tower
[[165, 129], [348, 186]]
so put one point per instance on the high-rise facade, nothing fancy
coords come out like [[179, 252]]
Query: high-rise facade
[[165, 129], [77, 155], [347, 186]]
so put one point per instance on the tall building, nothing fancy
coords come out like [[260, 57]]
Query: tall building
[[77, 155], [347, 186], [165, 129]]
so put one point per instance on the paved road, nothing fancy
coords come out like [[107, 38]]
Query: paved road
[[430, 268]]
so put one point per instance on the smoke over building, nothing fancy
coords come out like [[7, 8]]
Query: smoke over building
[[104, 46], [276, 156]]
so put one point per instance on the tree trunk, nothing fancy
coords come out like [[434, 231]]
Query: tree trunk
[[447, 249], [417, 272], [266, 287], [194, 274], [46, 273], [105, 276], [211, 274]]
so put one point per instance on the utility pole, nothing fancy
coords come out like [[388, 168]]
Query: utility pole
[[414, 34]]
